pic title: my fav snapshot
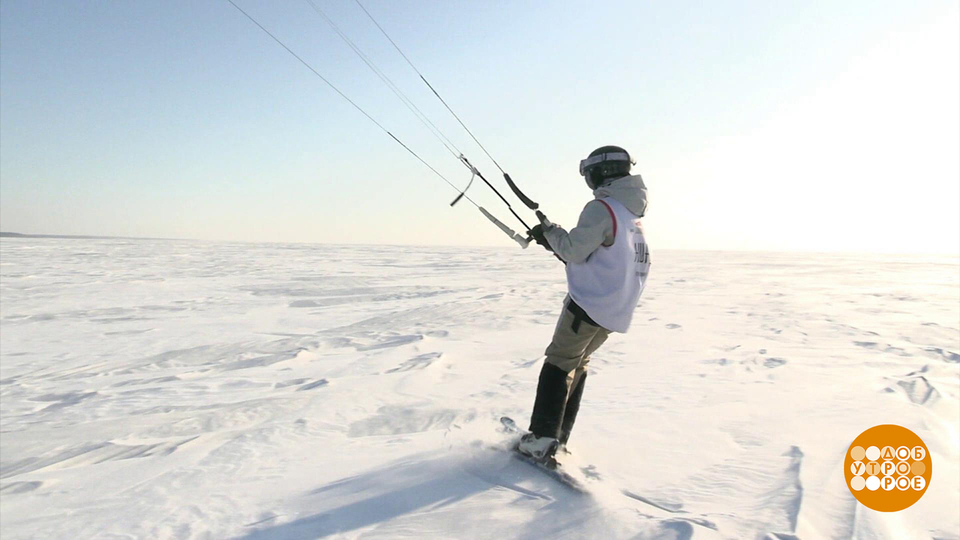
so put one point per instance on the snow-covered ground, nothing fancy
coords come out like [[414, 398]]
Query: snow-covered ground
[[174, 389]]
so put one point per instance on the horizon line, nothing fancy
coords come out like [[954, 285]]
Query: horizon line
[[7, 235]]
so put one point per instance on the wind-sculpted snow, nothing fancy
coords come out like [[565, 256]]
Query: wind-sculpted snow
[[173, 389]]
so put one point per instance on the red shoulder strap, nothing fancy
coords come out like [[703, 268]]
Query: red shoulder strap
[[613, 217]]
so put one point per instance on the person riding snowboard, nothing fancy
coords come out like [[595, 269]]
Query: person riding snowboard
[[607, 262]]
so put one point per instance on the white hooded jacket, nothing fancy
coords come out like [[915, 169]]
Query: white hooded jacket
[[595, 226], [606, 254]]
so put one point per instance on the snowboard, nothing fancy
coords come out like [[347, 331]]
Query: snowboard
[[551, 467]]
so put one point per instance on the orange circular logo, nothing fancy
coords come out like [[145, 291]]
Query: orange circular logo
[[888, 468]]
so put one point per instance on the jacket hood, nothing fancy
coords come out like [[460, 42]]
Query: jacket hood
[[630, 191]]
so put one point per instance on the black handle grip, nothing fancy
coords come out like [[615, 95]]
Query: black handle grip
[[516, 191]]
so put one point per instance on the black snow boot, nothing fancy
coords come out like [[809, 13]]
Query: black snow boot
[[550, 403], [573, 406]]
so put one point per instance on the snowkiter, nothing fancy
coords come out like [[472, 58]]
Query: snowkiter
[[607, 262]]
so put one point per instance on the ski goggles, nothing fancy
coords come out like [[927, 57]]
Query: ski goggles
[[612, 156]]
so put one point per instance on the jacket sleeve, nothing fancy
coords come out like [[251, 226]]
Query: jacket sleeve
[[594, 229]]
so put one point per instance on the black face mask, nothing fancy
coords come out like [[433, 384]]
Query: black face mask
[[600, 176], [593, 179]]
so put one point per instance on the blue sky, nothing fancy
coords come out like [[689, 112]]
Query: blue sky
[[757, 125]]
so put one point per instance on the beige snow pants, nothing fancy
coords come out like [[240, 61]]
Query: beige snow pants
[[570, 350]]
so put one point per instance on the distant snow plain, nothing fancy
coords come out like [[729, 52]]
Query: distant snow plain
[[178, 389]]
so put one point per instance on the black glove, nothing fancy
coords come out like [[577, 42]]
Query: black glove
[[537, 234]]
